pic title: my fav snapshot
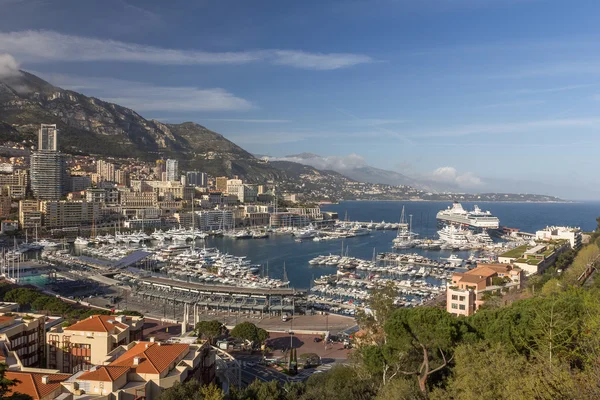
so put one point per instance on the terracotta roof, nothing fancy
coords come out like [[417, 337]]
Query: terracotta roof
[[472, 279], [482, 271], [30, 383], [4, 318], [104, 373], [97, 323], [154, 357]]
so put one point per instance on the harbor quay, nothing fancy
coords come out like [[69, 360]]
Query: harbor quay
[[231, 299]]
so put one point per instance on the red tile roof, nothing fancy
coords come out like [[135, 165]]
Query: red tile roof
[[105, 373], [97, 323], [154, 357], [30, 383]]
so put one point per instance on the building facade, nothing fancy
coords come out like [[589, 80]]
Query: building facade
[[48, 138], [172, 170], [465, 294], [87, 342], [63, 214], [48, 175]]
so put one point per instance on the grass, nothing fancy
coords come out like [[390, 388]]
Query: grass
[[516, 252]]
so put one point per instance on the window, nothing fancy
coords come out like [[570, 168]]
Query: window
[[454, 297], [454, 306], [462, 298], [462, 307]]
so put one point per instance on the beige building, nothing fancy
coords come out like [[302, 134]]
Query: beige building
[[30, 215], [221, 184], [465, 294], [87, 342], [62, 214], [5, 205], [139, 199], [16, 183], [24, 334]]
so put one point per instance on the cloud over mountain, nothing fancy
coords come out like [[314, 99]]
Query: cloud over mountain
[[43, 46]]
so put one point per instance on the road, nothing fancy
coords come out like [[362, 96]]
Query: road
[[252, 370]]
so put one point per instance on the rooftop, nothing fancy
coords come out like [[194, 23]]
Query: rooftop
[[153, 358], [30, 383], [104, 373], [97, 323]]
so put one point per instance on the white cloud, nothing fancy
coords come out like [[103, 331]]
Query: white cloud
[[513, 127], [551, 89], [335, 163], [249, 120], [450, 175], [148, 97], [8, 66], [40, 46]]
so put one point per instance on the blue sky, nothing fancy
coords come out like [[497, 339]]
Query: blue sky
[[485, 94]]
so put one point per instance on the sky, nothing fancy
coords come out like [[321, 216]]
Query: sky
[[489, 95]]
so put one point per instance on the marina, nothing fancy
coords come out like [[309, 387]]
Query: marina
[[326, 274]]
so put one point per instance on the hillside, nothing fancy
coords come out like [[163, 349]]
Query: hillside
[[92, 126]]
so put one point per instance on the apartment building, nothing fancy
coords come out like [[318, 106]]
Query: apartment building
[[5, 204], [534, 259], [172, 170], [62, 214], [24, 334], [549, 233], [147, 368], [287, 219], [87, 342], [48, 174], [465, 294], [16, 183], [30, 215], [139, 199], [221, 184]]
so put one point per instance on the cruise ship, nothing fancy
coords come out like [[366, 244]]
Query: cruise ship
[[476, 220]]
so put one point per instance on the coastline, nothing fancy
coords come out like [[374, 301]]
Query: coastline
[[468, 201]]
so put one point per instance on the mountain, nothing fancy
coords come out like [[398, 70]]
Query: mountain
[[91, 126], [356, 168]]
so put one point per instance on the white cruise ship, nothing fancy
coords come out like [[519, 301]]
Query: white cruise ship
[[476, 219]]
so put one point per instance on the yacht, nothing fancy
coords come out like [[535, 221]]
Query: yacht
[[243, 235], [405, 239], [81, 241], [453, 259], [453, 235], [307, 233]]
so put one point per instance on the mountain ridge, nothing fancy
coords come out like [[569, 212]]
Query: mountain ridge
[[89, 125]]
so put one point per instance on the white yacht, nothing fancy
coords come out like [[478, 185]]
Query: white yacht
[[81, 241], [453, 235], [476, 219]]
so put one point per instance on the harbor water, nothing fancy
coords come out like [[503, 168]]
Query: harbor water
[[279, 250]]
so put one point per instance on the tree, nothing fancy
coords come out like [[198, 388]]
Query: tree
[[208, 330], [250, 332], [422, 340], [6, 386], [340, 383], [309, 359], [381, 306], [192, 390], [262, 335]]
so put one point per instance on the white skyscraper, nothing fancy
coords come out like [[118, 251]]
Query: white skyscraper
[[47, 138], [172, 170]]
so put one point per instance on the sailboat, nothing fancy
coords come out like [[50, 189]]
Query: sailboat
[[405, 238]]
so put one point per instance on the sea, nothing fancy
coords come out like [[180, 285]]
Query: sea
[[282, 252]]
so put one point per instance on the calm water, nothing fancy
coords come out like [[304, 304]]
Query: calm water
[[280, 249]]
